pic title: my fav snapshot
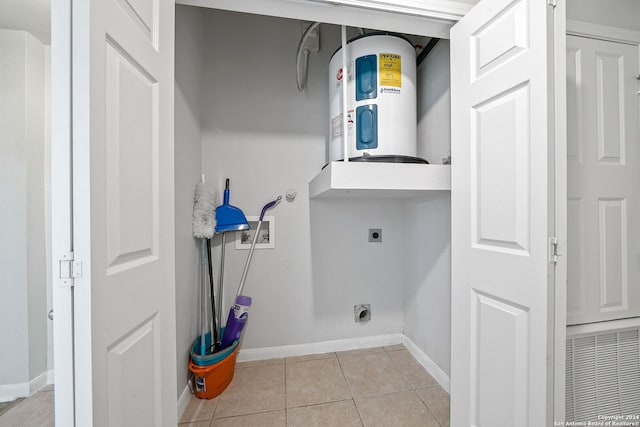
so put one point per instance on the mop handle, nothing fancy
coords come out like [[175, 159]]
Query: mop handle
[[253, 243], [268, 206]]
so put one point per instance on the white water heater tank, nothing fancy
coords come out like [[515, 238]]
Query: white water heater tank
[[381, 98]]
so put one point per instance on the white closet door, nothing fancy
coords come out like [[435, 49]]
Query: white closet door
[[124, 302], [502, 215], [603, 180]]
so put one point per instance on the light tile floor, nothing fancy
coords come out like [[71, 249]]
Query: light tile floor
[[5, 406], [382, 386], [36, 411]]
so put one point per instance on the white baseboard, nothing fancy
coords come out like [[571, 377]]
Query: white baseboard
[[428, 364], [38, 382], [183, 400], [11, 392], [50, 376], [317, 347]]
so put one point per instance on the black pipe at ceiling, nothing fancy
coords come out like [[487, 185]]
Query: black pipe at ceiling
[[432, 43]]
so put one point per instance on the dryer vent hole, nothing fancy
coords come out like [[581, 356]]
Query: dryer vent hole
[[362, 312]]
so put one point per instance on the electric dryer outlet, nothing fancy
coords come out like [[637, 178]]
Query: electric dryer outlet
[[375, 235]]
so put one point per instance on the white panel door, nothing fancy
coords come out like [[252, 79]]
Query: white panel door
[[603, 158], [502, 215], [124, 302]]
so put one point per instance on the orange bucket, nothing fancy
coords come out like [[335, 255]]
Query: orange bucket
[[210, 381]]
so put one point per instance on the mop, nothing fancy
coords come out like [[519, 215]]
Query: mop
[[203, 226], [238, 312]]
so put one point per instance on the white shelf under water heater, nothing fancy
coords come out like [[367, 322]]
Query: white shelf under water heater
[[379, 180]]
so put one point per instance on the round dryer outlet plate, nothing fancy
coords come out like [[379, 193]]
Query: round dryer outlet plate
[[362, 312]]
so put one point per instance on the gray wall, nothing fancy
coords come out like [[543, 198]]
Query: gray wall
[[47, 197], [189, 69], [427, 296], [23, 306], [267, 137], [34, 151], [264, 135]]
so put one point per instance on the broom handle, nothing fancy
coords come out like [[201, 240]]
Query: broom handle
[[203, 285], [214, 326]]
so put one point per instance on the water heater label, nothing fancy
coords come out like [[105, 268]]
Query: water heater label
[[390, 70], [336, 125], [340, 74]]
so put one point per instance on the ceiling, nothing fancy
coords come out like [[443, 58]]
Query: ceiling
[[33, 16]]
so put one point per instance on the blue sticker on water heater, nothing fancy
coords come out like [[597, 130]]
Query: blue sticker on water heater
[[366, 77], [367, 127]]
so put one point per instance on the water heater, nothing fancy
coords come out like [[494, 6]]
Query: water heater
[[381, 99]]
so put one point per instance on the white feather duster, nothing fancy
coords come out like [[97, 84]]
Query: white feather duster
[[204, 211]]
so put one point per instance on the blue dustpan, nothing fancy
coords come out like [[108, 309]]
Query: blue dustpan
[[229, 218]]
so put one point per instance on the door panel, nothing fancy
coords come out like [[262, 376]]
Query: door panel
[[125, 371], [499, 361], [613, 244], [603, 172], [131, 168], [123, 206], [610, 108], [500, 39], [499, 164], [143, 13], [576, 247], [502, 215]]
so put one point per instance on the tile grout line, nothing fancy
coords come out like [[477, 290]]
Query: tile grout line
[[345, 377], [308, 360], [213, 417], [404, 376], [353, 399], [308, 405], [213, 414], [219, 399], [358, 411], [401, 374], [11, 405], [429, 406], [330, 359], [387, 393], [415, 389], [236, 416], [286, 406], [232, 416]]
